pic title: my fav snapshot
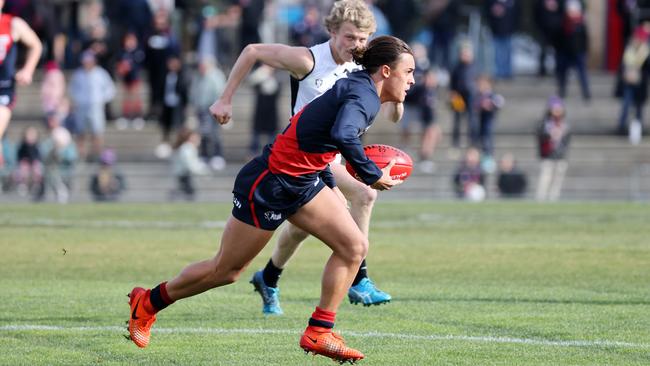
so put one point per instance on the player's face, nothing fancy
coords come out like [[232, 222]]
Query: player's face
[[347, 38], [400, 80]]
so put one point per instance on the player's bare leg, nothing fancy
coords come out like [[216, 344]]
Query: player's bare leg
[[362, 200], [240, 243], [349, 247], [265, 281]]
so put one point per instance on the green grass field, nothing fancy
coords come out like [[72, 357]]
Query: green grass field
[[489, 284]]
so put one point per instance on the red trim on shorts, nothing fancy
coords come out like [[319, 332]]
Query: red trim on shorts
[[250, 196]]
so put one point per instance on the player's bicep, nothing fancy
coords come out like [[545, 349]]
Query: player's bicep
[[298, 61], [22, 32]]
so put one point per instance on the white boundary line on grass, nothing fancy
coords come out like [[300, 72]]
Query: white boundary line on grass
[[431, 337]]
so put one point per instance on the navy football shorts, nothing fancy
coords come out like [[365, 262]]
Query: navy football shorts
[[7, 96], [265, 200]]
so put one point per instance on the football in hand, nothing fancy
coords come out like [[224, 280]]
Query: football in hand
[[382, 155]]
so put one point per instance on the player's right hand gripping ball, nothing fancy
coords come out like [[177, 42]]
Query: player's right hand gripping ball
[[382, 155]]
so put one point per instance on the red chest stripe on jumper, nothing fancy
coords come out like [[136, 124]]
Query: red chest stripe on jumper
[[287, 158], [6, 40]]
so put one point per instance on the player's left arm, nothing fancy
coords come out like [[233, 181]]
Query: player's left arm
[[21, 32], [393, 111], [351, 122]]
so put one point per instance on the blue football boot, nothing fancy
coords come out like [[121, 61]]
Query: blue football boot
[[270, 295], [367, 293]]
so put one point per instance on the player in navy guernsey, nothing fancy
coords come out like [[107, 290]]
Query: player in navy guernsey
[[331, 123], [313, 71], [12, 30], [291, 181]]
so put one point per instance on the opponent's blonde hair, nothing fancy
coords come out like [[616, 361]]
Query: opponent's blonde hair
[[353, 11]]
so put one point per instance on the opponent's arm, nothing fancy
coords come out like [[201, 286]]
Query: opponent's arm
[[21, 31], [298, 61]]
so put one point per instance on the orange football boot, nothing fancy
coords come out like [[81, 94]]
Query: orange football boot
[[140, 321], [322, 341]]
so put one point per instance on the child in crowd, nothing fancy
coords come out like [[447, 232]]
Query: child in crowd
[[29, 175], [511, 180], [206, 87], [174, 102], [186, 163], [553, 139], [107, 184], [463, 94], [489, 103], [59, 158], [129, 68], [469, 180]]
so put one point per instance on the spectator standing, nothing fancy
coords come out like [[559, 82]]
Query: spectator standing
[[29, 175], [397, 12], [161, 45], [419, 105], [469, 179], [206, 87], [463, 94], [90, 89], [265, 119], [633, 84], [59, 159], [511, 180], [174, 102], [572, 51], [107, 184], [489, 103], [251, 14], [503, 18], [548, 19], [442, 18], [129, 69], [627, 10], [553, 139], [53, 89], [186, 163]]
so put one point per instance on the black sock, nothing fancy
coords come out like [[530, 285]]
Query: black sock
[[159, 298], [271, 274], [363, 273]]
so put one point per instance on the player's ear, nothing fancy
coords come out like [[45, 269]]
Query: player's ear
[[385, 71]]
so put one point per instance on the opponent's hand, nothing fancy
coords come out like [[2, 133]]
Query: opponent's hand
[[221, 111], [386, 182]]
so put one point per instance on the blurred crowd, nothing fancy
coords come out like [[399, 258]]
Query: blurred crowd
[[168, 60]]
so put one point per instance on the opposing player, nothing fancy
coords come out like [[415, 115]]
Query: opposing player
[[12, 30], [291, 181], [313, 71]]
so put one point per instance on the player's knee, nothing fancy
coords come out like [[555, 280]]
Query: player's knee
[[230, 276], [365, 197], [296, 235], [358, 250], [225, 275]]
